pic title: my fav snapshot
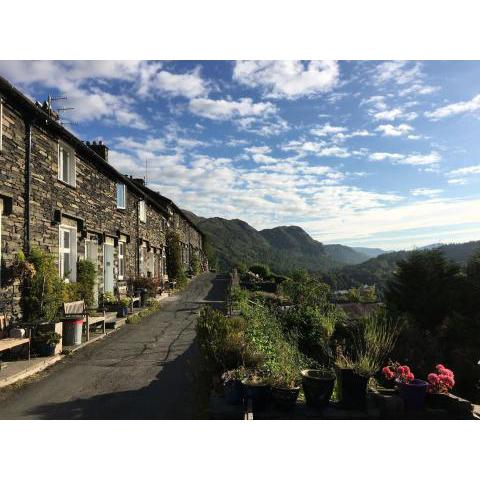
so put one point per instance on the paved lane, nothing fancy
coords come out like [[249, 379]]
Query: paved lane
[[145, 371]]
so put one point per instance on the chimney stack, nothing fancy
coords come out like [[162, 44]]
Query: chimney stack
[[99, 148], [139, 181]]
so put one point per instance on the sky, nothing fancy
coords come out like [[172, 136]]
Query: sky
[[375, 154]]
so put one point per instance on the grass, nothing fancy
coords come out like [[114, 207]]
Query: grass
[[137, 317]]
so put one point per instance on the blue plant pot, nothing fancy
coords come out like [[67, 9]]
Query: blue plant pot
[[413, 394], [122, 311]]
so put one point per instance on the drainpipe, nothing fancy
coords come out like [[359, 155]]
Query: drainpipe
[[28, 187], [137, 253]]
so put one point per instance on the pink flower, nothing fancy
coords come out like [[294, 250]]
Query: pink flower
[[406, 369], [400, 370], [409, 377], [440, 367], [433, 378]]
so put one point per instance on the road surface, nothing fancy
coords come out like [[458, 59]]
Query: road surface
[[150, 370]]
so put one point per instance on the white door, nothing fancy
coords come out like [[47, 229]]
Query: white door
[[108, 268]]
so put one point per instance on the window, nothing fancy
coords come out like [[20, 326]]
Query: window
[[150, 264], [68, 253], [1, 124], [122, 247], [142, 211], [121, 196], [66, 164], [141, 262], [1, 215]]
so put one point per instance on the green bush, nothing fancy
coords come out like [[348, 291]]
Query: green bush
[[261, 270], [174, 256], [86, 276], [43, 292]]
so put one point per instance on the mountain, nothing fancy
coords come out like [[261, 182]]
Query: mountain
[[370, 252], [432, 246], [284, 248], [379, 269]]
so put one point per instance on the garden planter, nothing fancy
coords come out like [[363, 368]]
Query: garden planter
[[233, 391], [413, 394], [318, 387], [258, 393], [352, 388], [285, 398], [46, 349], [122, 311]]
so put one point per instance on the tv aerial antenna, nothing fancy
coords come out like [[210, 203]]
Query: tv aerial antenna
[[58, 111]]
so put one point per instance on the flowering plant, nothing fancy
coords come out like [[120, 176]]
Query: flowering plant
[[398, 372], [442, 381]]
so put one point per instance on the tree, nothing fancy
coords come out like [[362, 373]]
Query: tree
[[425, 285]]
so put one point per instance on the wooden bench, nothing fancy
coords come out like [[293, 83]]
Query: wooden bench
[[123, 293], [79, 309], [8, 343]]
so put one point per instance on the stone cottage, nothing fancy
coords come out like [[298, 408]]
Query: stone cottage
[[63, 195]]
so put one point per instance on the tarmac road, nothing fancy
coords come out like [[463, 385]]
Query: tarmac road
[[150, 370]]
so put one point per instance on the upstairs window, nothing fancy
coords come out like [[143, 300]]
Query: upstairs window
[[121, 196], [142, 211], [66, 164]]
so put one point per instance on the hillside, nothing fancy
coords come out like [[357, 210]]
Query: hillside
[[378, 270], [370, 252], [284, 248]]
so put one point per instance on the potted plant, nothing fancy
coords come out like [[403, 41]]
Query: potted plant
[[439, 384], [46, 343], [352, 381], [123, 305], [318, 386], [285, 388], [232, 385], [256, 389], [411, 390], [109, 301]]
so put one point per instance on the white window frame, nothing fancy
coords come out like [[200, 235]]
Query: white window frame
[[1, 220], [122, 253], [71, 250], [72, 164], [1, 124], [124, 187], [142, 211]]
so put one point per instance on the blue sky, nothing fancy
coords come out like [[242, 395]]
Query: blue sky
[[380, 154]]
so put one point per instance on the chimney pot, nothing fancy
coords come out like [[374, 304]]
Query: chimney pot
[[100, 149]]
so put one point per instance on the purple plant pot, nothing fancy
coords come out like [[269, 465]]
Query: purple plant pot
[[413, 394]]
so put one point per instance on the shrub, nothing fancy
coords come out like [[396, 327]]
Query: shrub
[[222, 339], [147, 283], [86, 276], [71, 292], [261, 270], [195, 265], [174, 256], [43, 292]]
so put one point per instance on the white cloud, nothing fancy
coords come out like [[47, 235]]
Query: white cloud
[[395, 113], [327, 129], [228, 109], [379, 156], [462, 172], [394, 130], [319, 149], [289, 79], [470, 106], [83, 83], [432, 158], [258, 150], [426, 192], [153, 79], [400, 72]]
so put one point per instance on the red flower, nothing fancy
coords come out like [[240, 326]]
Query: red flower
[[406, 369], [440, 367], [409, 377], [433, 378], [400, 371]]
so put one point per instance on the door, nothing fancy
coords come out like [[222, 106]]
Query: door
[[108, 268]]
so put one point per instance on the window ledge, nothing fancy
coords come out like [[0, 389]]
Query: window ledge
[[73, 187]]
